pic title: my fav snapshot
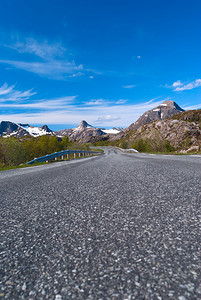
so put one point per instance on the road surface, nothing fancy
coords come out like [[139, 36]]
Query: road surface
[[117, 226]]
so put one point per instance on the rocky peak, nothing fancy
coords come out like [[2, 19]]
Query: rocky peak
[[163, 111], [46, 128], [83, 125], [7, 127], [83, 133], [169, 104]]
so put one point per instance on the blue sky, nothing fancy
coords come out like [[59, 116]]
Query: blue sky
[[105, 61]]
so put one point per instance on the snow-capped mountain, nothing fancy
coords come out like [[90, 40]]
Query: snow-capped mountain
[[163, 111], [83, 133], [36, 131], [9, 129]]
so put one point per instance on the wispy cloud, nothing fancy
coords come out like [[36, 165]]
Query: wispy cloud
[[189, 107], [96, 102], [104, 102], [51, 69], [10, 97], [121, 101], [9, 93], [5, 89], [67, 110], [129, 86], [46, 60], [42, 104], [44, 49], [178, 86], [107, 118]]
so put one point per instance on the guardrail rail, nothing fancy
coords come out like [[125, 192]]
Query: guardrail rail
[[61, 154], [127, 150]]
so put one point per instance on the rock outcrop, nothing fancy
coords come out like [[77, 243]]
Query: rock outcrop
[[183, 131]]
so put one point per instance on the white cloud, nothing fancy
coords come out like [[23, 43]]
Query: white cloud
[[128, 86], [5, 89], [121, 101], [9, 93], [67, 110], [51, 104], [52, 60], [177, 83], [61, 111], [43, 49], [96, 102], [197, 106], [179, 86], [51, 69], [108, 118]]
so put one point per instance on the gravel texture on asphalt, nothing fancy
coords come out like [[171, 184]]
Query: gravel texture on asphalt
[[118, 226]]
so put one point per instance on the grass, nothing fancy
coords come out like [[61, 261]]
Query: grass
[[4, 168]]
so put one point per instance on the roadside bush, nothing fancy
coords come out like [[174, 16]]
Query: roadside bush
[[123, 144], [153, 145], [14, 151]]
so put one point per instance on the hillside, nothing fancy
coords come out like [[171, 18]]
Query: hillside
[[181, 132]]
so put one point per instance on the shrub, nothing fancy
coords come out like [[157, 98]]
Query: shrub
[[153, 145]]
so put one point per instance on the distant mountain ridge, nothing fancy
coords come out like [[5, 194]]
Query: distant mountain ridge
[[8, 129], [85, 133]]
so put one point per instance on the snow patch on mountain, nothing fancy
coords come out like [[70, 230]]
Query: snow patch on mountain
[[36, 131], [111, 131]]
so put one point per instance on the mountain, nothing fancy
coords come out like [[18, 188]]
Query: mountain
[[83, 133], [163, 111], [8, 129], [182, 132], [36, 131]]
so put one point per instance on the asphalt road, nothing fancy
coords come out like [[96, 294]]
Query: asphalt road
[[118, 226]]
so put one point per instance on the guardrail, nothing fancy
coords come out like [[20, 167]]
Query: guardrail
[[127, 150], [61, 154]]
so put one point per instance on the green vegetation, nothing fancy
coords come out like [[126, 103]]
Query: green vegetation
[[189, 116], [14, 151], [4, 168], [153, 146]]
